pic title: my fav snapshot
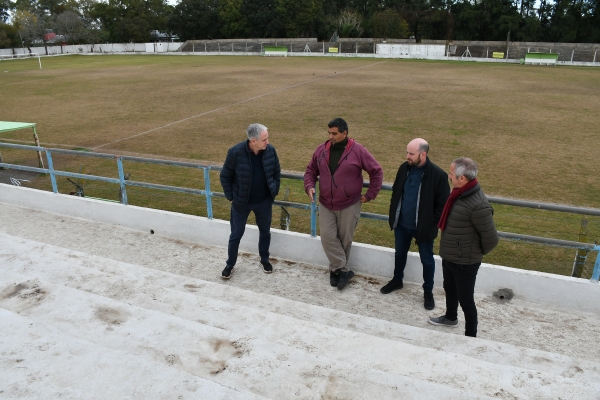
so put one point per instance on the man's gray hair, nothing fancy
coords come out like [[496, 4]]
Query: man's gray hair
[[424, 147], [466, 167], [254, 131]]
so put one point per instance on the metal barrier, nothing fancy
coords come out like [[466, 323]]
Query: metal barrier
[[312, 207]]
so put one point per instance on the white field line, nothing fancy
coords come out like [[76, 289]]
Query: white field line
[[235, 104]]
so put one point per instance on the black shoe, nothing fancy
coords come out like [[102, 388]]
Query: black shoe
[[226, 274], [443, 321], [334, 278], [391, 286], [267, 267], [429, 302], [344, 279]]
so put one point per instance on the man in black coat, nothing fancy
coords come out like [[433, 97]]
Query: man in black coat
[[419, 194], [250, 178]]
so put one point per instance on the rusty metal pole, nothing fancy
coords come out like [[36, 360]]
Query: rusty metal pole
[[37, 143], [581, 255], [284, 220]]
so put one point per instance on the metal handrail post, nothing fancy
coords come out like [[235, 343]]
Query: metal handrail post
[[123, 196], [37, 143], [596, 271], [209, 210], [51, 171], [313, 215]]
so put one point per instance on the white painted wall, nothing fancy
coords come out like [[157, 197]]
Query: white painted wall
[[412, 50], [537, 287]]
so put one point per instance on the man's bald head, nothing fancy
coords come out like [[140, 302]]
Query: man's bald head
[[421, 144], [416, 152]]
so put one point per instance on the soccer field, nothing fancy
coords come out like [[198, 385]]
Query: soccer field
[[533, 130]]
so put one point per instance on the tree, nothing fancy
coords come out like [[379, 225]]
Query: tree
[[300, 19], [5, 7], [8, 36], [349, 24], [196, 19], [263, 19], [71, 26], [233, 21], [29, 27], [132, 20], [92, 26], [50, 7], [389, 24]]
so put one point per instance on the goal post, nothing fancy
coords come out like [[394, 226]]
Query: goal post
[[21, 56]]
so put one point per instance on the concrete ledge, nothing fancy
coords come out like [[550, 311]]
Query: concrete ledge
[[536, 287]]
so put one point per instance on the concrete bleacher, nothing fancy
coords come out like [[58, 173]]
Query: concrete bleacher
[[101, 310]]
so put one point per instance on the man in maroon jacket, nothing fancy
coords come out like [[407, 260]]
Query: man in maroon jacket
[[338, 163]]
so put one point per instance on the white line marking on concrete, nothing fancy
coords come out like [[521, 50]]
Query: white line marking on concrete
[[235, 104]]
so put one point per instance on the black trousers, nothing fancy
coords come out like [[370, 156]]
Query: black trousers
[[263, 212], [459, 285]]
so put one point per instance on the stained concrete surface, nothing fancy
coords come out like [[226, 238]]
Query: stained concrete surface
[[298, 294], [566, 332]]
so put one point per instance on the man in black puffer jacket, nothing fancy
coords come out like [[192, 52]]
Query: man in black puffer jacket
[[250, 180], [468, 233]]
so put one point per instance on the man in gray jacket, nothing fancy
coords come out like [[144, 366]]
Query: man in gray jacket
[[468, 233]]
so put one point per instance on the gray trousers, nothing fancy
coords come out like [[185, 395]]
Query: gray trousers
[[337, 231]]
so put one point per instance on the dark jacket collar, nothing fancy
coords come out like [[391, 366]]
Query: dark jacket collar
[[471, 191], [427, 165], [348, 146]]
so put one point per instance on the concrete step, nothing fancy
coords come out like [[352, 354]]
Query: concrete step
[[39, 360], [278, 331], [301, 359], [120, 280]]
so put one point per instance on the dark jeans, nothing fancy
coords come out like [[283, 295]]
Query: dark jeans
[[459, 284], [403, 238], [263, 212]]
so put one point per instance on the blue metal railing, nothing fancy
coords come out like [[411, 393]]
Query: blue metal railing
[[123, 182]]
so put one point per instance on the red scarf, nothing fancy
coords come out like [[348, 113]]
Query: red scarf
[[455, 194]]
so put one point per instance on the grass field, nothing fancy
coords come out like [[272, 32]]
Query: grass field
[[534, 131]]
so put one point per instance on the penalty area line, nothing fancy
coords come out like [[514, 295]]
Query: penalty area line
[[235, 104]]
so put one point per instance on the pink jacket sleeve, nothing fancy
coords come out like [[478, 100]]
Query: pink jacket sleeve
[[375, 174], [312, 173]]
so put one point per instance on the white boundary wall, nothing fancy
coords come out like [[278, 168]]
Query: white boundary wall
[[108, 48], [412, 50], [384, 51], [536, 287]]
